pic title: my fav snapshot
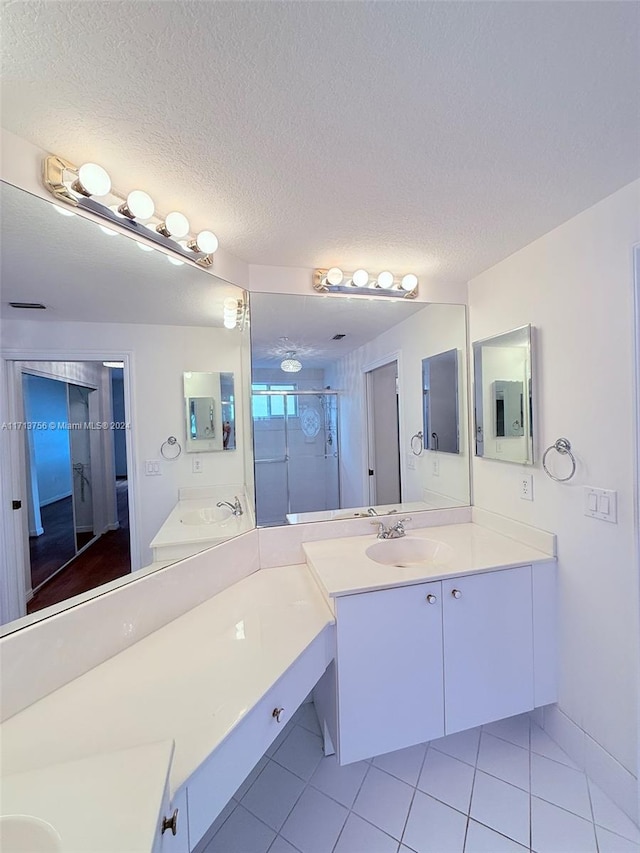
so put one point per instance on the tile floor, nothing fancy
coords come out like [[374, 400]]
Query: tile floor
[[504, 788]]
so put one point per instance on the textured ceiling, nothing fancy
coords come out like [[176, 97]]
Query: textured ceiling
[[432, 137], [68, 264]]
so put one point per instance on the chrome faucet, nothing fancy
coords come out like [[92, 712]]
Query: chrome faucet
[[236, 507], [394, 532], [371, 511]]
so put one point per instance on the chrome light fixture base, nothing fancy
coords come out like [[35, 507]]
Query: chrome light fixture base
[[372, 288], [60, 177]]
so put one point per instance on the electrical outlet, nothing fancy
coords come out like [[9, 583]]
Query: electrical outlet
[[152, 468], [435, 466], [197, 465], [526, 487]]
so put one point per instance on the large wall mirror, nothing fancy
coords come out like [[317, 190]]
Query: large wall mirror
[[338, 391], [98, 378], [502, 397]]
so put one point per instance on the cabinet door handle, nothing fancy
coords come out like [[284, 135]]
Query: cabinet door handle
[[431, 599], [276, 714], [456, 593], [170, 823]]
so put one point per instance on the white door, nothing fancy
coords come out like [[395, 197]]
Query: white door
[[389, 666], [384, 443], [488, 647]]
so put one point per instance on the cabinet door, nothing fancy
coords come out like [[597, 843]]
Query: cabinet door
[[389, 663], [488, 647], [178, 843]]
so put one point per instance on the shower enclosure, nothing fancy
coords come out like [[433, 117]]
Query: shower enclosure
[[295, 436]]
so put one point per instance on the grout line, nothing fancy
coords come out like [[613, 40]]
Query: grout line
[[415, 788], [473, 784], [530, 795]]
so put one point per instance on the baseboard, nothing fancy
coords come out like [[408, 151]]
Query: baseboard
[[599, 765], [37, 532]]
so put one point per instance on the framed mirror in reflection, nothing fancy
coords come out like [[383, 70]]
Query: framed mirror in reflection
[[503, 405], [93, 386], [209, 411], [441, 402], [332, 437]]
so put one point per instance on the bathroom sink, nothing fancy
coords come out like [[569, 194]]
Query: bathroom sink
[[21, 833], [409, 551], [206, 515]]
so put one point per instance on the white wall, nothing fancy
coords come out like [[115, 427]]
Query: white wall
[[435, 329], [160, 355], [575, 286]]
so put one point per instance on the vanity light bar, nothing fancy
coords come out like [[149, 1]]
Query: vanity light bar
[[89, 188], [362, 283]]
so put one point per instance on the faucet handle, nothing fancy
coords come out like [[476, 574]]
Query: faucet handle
[[402, 520]]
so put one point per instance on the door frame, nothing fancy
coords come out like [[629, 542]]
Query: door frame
[[14, 523], [367, 419], [635, 263]]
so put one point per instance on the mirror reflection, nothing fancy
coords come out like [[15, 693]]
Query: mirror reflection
[[502, 397], [93, 395], [337, 394], [440, 402], [210, 411]]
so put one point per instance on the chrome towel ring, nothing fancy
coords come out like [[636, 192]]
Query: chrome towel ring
[[172, 441], [417, 441], [563, 447]]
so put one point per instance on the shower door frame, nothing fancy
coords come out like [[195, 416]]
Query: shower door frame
[[308, 393]]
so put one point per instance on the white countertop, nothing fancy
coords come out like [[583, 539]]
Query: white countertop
[[175, 532], [191, 681], [126, 790], [342, 567]]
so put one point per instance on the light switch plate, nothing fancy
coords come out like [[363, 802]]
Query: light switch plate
[[435, 466], [601, 504], [152, 468], [411, 462]]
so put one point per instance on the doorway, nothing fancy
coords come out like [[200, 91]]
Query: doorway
[[383, 434]]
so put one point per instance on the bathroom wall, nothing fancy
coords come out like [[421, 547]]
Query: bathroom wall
[[160, 355], [435, 329], [575, 285]]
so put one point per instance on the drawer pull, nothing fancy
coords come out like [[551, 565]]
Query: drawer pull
[[276, 714], [456, 593], [431, 599], [170, 823]]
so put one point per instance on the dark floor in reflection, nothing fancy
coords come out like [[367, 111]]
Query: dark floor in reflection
[[107, 559]]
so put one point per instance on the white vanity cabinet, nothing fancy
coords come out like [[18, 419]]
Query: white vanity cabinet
[[174, 814], [418, 662]]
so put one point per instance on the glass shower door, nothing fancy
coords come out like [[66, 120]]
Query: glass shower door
[[313, 452], [270, 456]]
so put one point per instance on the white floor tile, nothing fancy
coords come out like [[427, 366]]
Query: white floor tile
[[461, 745], [251, 778], [560, 785], [404, 764], [609, 842], [301, 753], [284, 734], [433, 827], [384, 801], [607, 814], [501, 806], [503, 759], [306, 717], [217, 824], [554, 830], [315, 823], [339, 783], [447, 779], [544, 745], [273, 795], [514, 729], [240, 833], [358, 836], [282, 846], [481, 839]]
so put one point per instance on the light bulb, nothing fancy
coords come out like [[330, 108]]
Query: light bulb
[[175, 261], [231, 303], [229, 322], [144, 247], [360, 278], [334, 276], [139, 205], [290, 364], [175, 225], [385, 280], [92, 180], [206, 242], [62, 211], [409, 282], [108, 231]]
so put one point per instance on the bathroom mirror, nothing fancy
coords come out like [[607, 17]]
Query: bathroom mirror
[[337, 397], [441, 402], [209, 411], [503, 406], [119, 330]]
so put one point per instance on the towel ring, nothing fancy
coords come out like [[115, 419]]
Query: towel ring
[[417, 438], [172, 441], [563, 447]]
